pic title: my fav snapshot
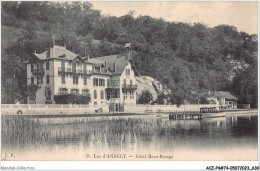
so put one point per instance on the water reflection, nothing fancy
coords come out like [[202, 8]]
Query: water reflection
[[127, 134]]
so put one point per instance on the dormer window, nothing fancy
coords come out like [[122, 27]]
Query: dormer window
[[62, 56], [114, 67], [48, 54]]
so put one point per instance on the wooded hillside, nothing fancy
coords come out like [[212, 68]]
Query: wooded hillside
[[187, 58]]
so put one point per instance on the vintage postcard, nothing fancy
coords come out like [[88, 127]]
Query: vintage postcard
[[129, 81]]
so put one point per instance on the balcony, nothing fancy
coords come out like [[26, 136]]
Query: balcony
[[100, 71], [38, 72], [74, 71], [126, 87]]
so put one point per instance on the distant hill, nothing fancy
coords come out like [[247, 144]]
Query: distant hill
[[186, 58]]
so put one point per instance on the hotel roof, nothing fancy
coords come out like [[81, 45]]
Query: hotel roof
[[57, 52], [121, 61]]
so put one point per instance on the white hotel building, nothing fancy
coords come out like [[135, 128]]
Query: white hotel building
[[109, 79]]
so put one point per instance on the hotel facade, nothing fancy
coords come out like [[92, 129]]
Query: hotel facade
[[108, 80]]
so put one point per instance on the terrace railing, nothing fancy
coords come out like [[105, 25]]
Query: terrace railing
[[62, 70], [127, 87]]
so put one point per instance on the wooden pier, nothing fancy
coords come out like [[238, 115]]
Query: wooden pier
[[185, 116]]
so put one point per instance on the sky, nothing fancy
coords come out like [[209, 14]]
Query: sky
[[242, 15]]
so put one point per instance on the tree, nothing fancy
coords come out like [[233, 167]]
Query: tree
[[204, 100], [145, 98], [32, 89], [181, 83], [161, 98], [245, 86], [186, 57]]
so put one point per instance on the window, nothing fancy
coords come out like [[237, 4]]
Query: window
[[108, 94], [85, 92], [114, 67], [62, 79], [131, 83], [116, 94], [85, 80], [98, 69], [32, 79], [102, 94], [39, 80], [74, 91], [84, 67], [63, 65], [101, 82], [124, 82], [32, 67], [48, 79], [108, 82], [125, 95], [74, 67], [47, 92], [127, 72], [95, 94], [75, 79], [63, 91], [131, 95], [95, 81], [48, 54], [47, 65]]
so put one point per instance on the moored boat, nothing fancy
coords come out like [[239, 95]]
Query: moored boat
[[213, 115], [210, 112]]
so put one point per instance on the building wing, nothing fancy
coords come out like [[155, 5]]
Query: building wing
[[115, 63]]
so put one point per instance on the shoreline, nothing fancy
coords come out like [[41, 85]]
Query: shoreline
[[227, 113]]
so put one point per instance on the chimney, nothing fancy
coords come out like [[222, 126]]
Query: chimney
[[209, 93], [65, 46]]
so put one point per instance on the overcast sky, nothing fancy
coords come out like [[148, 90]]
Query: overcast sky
[[242, 15]]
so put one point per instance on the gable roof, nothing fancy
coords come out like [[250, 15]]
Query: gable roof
[[227, 95], [217, 94], [57, 52], [121, 61]]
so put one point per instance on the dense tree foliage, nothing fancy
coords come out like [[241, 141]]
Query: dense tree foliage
[[188, 58], [145, 98], [204, 100]]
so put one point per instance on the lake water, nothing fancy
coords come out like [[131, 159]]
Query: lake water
[[129, 138]]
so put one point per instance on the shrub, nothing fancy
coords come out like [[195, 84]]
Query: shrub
[[71, 98], [145, 98]]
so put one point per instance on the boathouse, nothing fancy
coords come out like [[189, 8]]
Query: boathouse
[[223, 99]]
